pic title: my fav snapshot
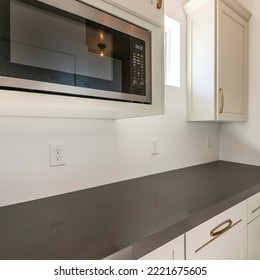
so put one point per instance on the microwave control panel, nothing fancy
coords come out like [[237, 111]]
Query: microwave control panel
[[138, 66]]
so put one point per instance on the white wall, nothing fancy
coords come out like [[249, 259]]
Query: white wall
[[241, 141], [99, 151]]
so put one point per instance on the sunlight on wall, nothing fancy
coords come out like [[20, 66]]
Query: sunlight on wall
[[172, 52]]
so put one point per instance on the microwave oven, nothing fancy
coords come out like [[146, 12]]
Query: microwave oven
[[70, 48]]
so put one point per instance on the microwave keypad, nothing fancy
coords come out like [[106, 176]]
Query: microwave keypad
[[138, 67]]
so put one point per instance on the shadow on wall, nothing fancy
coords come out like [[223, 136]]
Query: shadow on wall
[[236, 145]]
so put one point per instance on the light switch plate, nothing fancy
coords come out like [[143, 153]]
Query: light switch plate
[[154, 146]]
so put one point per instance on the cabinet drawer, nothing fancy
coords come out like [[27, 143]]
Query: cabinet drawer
[[253, 208], [218, 229]]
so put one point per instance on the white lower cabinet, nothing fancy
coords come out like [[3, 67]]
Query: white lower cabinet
[[224, 237], [254, 240], [173, 250], [253, 227]]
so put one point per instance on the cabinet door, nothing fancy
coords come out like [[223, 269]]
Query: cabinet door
[[253, 208], [254, 239], [201, 62], [223, 237], [232, 65], [145, 8], [173, 250]]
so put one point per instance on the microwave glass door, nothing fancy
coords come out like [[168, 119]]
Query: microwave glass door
[[45, 48]]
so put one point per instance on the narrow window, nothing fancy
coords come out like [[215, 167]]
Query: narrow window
[[172, 52]]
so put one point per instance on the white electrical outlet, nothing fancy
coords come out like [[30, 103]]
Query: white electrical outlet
[[154, 146], [56, 155]]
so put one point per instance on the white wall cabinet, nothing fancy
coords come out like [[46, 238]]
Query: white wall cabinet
[[223, 237], [152, 10], [217, 57], [254, 227], [173, 250]]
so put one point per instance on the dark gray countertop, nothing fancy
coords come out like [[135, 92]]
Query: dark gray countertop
[[143, 213]]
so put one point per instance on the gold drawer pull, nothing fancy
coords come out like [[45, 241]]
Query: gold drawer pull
[[159, 4], [213, 232], [215, 237], [222, 98]]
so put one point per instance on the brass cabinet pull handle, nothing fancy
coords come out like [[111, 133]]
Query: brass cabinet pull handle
[[213, 232], [220, 232], [222, 97], [159, 4]]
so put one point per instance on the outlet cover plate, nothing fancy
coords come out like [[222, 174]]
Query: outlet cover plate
[[154, 146], [57, 155]]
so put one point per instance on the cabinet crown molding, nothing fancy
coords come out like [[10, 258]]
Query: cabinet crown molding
[[238, 8], [193, 5]]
